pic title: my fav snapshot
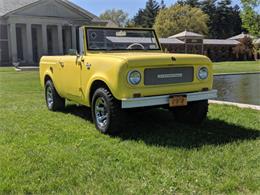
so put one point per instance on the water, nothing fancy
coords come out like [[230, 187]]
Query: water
[[238, 88]]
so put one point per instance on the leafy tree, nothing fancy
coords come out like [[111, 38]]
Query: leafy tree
[[130, 24], [178, 18], [119, 17], [256, 50], [250, 17], [245, 49], [146, 17]]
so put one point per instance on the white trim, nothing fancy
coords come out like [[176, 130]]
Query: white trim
[[163, 100], [29, 43]]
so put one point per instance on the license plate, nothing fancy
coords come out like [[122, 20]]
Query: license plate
[[177, 101]]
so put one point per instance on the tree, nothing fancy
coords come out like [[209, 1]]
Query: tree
[[119, 17], [192, 3], [224, 19], [227, 21], [146, 17], [256, 49], [209, 8], [138, 18], [163, 5], [178, 18], [245, 49], [250, 17]]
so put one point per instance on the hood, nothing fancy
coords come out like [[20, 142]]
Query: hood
[[137, 59]]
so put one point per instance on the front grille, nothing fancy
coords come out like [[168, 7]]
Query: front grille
[[160, 76]]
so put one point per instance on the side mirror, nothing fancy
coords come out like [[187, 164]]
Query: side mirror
[[73, 52]]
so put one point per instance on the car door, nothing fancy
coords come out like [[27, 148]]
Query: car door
[[71, 77]]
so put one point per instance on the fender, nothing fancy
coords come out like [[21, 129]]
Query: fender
[[112, 86], [49, 73]]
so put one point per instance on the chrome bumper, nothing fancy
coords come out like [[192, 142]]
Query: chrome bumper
[[163, 100]]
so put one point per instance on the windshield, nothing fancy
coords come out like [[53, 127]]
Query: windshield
[[106, 39]]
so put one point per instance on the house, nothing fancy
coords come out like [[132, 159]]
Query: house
[[194, 43], [32, 28]]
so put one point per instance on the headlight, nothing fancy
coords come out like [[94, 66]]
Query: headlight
[[203, 73], [134, 77]]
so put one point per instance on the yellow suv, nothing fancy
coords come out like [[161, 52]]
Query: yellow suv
[[118, 69]]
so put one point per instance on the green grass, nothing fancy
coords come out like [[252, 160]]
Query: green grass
[[50, 153], [237, 67]]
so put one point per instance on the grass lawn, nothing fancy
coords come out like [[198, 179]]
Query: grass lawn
[[237, 67], [45, 152]]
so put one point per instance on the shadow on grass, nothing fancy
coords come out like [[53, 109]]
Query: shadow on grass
[[80, 111], [158, 128]]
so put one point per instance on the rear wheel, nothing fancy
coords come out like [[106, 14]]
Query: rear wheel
[[106, 112], [53, 101], [194, 113]]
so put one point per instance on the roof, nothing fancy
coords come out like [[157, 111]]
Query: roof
[[170, 41], [187, 34], [7, 6], [220, 42], [240, 36], [97, 19]]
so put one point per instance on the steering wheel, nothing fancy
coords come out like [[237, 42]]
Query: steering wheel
[[135, 44]]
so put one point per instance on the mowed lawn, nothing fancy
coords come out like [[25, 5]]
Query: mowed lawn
[[50, 153], [237, 67]]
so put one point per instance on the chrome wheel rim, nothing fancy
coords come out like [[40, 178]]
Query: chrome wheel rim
[[101, 112], [49, 96]]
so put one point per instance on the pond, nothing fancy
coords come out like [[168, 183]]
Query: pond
[[244, 88]]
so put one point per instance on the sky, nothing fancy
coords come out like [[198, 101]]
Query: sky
[[130, 6]]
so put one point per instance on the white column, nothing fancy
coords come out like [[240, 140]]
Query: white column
[[13, 42], [74, 37], [60, 40], [29, 43], [44, 39]]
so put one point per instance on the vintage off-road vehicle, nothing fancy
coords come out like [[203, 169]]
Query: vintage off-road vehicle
[[118, 69]]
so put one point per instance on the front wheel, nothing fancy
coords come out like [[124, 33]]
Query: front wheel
[[194, 113], [106, 112]]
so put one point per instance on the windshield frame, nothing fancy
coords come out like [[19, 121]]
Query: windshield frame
[[125, 50]]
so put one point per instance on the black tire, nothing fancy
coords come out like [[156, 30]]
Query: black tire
[[195, 113], [113, 115], [58, 103]]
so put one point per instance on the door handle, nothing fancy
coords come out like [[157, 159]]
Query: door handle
[[61, 64]]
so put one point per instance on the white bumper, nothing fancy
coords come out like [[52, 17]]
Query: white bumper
[[163, 100]]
